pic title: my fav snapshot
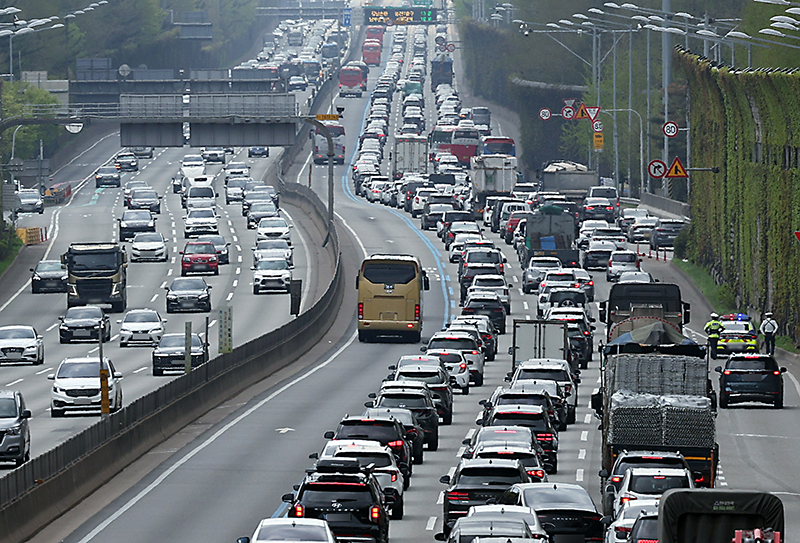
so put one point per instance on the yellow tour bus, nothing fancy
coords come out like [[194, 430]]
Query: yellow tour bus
[[390, 297]]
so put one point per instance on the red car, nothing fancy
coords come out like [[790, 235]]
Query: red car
[[199, 256]]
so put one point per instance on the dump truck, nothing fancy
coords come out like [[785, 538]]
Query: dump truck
[[569, 178], [634, 305], [656, 395], [550, 231], [97, 274]]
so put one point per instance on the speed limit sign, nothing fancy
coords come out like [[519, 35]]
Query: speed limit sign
[[597, 126], [545, 114], [670, 129]]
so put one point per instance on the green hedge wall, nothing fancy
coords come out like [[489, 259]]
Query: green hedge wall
[[744, 218]]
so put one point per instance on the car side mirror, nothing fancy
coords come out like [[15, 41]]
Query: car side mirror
[[288, 497], [52, 376], [440, 536], [444, 479], [483, 403], [606, 520], [369, 405], [328, 435], [314, 456], [392, 367], [117, 375], [243, 540], [465, 441], [718, 369], [423, 349], [603, 473], [783, 369], [372, 395], [61, 317], [26, 414]]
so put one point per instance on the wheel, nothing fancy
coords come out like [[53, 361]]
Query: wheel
[[22, 460], [170, 310], [255, 289], [216, 271], [63, 340], [397, 509], [34, 289], [571, 414], [723, 400], [478, 379], [118, 307], [56, 413], [555, 466], [157, 371], [362, 336], [465, 390], [123, 344], [417, 457], [433, 444], [447, 418], [779, 401], [491, 355]]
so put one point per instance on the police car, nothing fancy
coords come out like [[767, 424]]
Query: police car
[[739, 335]]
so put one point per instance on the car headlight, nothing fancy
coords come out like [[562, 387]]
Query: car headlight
[[36, 277], [203, 296], [58, 390], [172, 297], [212, 259], [14, 430], [187, 259], [31, 348]]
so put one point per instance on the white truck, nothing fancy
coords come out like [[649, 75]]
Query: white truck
[[492, 175], [571, 179], [410, 155], [538, 339]]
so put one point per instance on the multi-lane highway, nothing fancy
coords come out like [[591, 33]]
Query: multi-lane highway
[[90, 215], [215, 480]]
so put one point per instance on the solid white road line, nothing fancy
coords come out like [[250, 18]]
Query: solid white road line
[[207, 442]]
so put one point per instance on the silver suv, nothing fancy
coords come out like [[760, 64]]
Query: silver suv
[[622, 261], [536, 270], [15, 446]]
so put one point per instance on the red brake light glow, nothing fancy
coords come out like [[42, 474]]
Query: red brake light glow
[[374, 512], [298, 510], [395, 444], [536, 473], [360, 310]]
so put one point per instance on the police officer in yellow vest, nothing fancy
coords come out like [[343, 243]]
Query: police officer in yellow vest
[[713, 329]]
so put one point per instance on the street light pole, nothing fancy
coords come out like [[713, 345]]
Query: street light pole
[[641, 141]]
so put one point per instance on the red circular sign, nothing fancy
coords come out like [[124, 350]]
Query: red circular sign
[[568, 112]]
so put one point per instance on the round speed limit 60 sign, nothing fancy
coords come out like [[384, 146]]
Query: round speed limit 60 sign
[[670, 129]]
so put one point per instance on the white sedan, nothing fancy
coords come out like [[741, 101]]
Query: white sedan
[[21, 343], [274, 228]]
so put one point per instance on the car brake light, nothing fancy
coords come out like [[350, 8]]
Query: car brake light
[[374, 512], [536, 473], [616, 479], [544, 437], [700, 479], [360, 310], [590, 283], [298, 510], [610, 208], [726, 372], [586, 332], [622, 531], [626, 499], [462, 367], [395, 444], [456, 496], [576, 285], [394, 477]]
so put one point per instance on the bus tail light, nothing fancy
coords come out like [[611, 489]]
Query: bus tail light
[[416, 312], [361, 311]]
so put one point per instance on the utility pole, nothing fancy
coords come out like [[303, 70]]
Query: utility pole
[[666, 73]]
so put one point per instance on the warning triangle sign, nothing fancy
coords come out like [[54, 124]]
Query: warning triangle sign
[[676, 169], [592, 112], [582, 113]]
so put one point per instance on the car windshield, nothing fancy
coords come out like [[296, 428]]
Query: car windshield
[[107, 170], [430, 377], [78, 370], [272, 222], [521, 399], [148, 194], [624, 257], [199, 249], [48, 266], [277, 264], [543, 373], [543, 496], [734, 326], [148, 237], [201, 192], [350, 495], [458, 344], [489, 476], [272, 244], [266, 207], [216, 240], [604, 193], [84, 313], [757, 364], [178, 340], [645, 529], [237, 182], [480, 282], [17, 333], [141, 316], [407, 401], [657, 484], [365, 458], [8, 408], [201, 214], [534, 421], [187, 284], [136, 216], [380, 432], [291, 532]]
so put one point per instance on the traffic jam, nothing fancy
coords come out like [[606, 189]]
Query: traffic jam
[[576, 262]]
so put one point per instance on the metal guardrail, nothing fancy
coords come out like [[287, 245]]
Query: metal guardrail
[[46, 466]]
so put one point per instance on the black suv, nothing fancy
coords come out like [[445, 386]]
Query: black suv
[[349, 499], [414, 432], [386, 430], [438, 381], [418, 400], [476, 481], [488, 304], [533, 417], [751, 378], [634, 459]]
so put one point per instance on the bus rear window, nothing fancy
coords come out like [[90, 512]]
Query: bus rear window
[[389, 273]]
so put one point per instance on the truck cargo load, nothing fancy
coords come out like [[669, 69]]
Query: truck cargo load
[[569, 178], [634, 305], [550, 231], [538, 339], [410, 155], [714, 516]]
